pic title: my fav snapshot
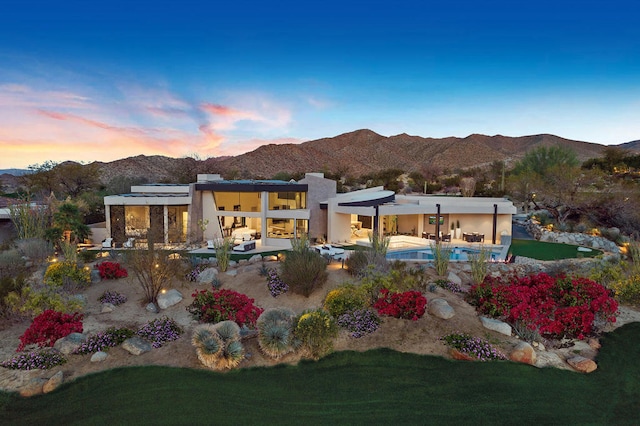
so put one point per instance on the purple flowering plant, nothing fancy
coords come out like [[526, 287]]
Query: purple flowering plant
[[192, 275], [473, 346], [104, 340], [160, 331], [450, 285], [359, 322], [275, 284], [112, 297], [41, 360]]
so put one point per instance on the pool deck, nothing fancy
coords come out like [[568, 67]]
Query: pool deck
[[405, 242]]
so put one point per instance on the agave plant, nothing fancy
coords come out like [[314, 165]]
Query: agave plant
[[275, 332], [218, 345]]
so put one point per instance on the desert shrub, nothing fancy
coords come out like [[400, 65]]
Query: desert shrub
[[303, 269], [102, 341], [111, 271], [627, 289], [66, 273], [347, 297], [36, 249], [275, 332], [218, 345], [407, 305], [479, 263], [359, 322], [112, 297], [275, 284], [441, 256], [160, 331], [43, 359], [316, 329], [223, 253], [153, 269], [222, 305], [9, 285], [11, 262], [554, 306], [473, 346], [50, 326], [33, 299], [357, 263], [88, 256]]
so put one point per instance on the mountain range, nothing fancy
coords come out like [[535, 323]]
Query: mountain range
[[355, 154]]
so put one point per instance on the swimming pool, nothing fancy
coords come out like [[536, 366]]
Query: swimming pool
[[457, 254]]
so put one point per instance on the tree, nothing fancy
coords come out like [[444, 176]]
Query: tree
[[467, 186], [540, 159], [68, 222], [43, 178], [74, 178]]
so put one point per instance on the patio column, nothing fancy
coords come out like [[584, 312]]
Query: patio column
[[107, 216], [437, 222], [495, 223], [165, 230]]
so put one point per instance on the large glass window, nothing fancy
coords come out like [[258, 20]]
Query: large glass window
[[136, 220], [287, 200], [287, 228], [237, 201]]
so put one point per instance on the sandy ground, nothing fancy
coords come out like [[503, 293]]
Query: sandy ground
[[420, 336]]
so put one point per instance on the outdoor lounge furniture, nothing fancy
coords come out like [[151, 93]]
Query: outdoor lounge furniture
[[328, 249], [107, 243], [473, 237], [129, 243], [245, 246]]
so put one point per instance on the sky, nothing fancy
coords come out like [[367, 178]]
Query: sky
[[101, 80]]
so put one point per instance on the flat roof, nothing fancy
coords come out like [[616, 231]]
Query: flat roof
[[247, 185]]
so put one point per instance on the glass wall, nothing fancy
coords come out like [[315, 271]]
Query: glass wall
[[237, 201], [136, 220], [287, 200], [287, 228]]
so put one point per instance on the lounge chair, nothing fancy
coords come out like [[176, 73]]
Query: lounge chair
[[245, 246], [129, 243], [107, 243]]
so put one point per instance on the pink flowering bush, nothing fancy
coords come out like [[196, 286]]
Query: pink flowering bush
[[407, 305], [553, 306]]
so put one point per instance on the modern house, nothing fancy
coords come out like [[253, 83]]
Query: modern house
[[273, 212]]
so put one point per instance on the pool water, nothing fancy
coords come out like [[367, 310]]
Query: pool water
[[457, 253]]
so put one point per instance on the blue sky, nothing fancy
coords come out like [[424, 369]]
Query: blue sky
[[103, 80]]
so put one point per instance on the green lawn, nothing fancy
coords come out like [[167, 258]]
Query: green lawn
[[548, 251], [375, 387]]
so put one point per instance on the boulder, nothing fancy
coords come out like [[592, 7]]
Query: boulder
[[550, 359], [107, 307], [99, 356], [69, 343], [232, 263], [440, 308], [454, 278], [255, 258], [95, 276], [523, 352], [136, 346], [496, 325], [152, 307], [206, 276], [53, 383], [456, 354], [232, 272], [270, 258], [169, 298], [582, 364], [33, 387]]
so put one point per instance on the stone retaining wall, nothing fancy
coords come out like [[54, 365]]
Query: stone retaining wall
[[575, 238]]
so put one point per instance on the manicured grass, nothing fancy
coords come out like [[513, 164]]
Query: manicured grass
[[375, 387], [548, 251]]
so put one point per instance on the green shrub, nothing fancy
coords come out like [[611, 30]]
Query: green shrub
[[10, 262], [218, 345], [357, 262], [64, 273], [316, 330], [441, 256], [275, 332], [88, 256], [627, 289], [223, 253], [479, 264], [32, 300], [303, 269], [347, 297]]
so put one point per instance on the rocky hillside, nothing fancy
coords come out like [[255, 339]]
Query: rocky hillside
[[355, 153]]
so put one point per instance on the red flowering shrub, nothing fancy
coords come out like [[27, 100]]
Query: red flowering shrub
[[222, 305], [555, 307], [407, 305], [50, 326], [111, 271]]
